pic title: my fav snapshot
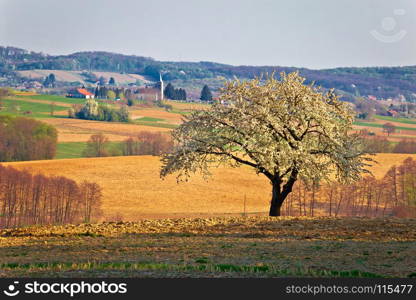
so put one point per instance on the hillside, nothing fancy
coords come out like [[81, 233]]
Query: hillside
[[133, 190], [382, 82], [77, 76], [73, 133]]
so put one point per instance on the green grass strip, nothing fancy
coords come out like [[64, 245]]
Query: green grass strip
[[365, 124], [221, 268], [397, 120]]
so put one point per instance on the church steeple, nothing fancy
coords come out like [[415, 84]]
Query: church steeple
[[161, 87]]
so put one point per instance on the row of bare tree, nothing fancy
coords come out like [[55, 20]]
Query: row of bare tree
[[393, 195], [144, 143], [148, 143], [27, 199], [380, 144]]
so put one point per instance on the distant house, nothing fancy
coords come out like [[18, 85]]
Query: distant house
[[149, 93], [393, 113], [80, 93], [153, 92]]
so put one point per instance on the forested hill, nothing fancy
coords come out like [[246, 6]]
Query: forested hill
[[382, 82]]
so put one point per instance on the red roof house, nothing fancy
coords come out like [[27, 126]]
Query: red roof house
[[80, 93]]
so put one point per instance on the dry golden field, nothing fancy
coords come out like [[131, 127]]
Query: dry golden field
[[22, 93], [395, 123], [185, 106], [394, 137], [132, 188], [168, 117], [76, 130]]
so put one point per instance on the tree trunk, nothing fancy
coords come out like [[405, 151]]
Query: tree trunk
[[278, 198], [279, 193], [277, 201]]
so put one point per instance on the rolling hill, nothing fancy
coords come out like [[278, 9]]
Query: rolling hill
[[77, 76], [382, 82]]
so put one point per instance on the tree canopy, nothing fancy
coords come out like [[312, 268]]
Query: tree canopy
[[283, 129], [49, 81], [112, 81], [206, 94], [26, 139], [389, 128], [91, 110], [174, 94]]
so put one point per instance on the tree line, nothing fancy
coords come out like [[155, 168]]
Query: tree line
[[50, 81], [26, 139], [27, 199], [381, 144], [206, 94], [392, 195], [91, 110], [393, 81], [382, 82], [170, 92], [112, 93], [144, 143], [147, 143]]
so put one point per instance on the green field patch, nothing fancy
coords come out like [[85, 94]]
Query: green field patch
[[53, 98], [76, 149], [70, 150], [397, 120], [366, 124], [20, 108], [181, 112], [155, 124], [270, 270], [150, 119]]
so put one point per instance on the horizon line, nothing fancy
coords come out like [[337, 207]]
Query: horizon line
[[216, 62]]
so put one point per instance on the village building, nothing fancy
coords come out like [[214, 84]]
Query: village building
[[392, 113], [80, 93], [153, 93]]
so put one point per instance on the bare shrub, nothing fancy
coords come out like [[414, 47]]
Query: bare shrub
[[148, 143], [97, 146]]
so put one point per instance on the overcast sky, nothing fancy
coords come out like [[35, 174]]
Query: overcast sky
[[303, 33]]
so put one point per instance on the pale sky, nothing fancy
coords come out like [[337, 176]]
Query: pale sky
[[302, 33]]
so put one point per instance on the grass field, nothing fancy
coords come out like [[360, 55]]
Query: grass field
[[155, 124], [38, 110], [158, 119], [132, 189], [399, 120], [76, 149], [367, 124], [53, 98], [74, 130], [159, 228], [70, 150], [405, 128], [156, 115], [214, 247]]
